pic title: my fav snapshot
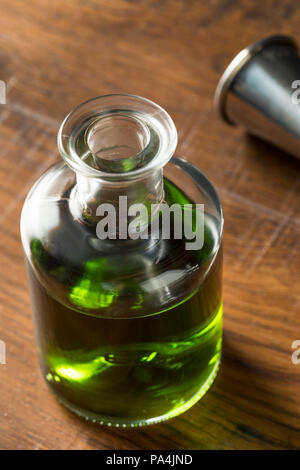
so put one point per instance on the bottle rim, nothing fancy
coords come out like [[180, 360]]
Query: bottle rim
[[146, 114]]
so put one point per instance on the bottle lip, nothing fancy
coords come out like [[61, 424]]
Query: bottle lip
[[91, 110]]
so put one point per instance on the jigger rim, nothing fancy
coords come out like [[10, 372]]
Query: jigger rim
[[236, 65]]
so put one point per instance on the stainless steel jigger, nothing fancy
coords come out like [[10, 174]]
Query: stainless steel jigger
[[258, 91]]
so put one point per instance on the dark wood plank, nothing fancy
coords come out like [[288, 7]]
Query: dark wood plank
[[53, 55]]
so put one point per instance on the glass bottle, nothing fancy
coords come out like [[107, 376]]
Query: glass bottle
[[129, 329]]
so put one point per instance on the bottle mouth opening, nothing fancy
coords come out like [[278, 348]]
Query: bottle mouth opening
[[117, 137]]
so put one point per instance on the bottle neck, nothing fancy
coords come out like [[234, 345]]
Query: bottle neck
[[93, 193], [117, 145]]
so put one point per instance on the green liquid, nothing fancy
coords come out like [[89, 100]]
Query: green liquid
[[111, 348]]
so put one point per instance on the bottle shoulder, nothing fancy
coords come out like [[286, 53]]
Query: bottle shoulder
[[93, 275]]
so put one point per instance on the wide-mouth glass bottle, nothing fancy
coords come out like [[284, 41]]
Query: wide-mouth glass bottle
[[128, 323]]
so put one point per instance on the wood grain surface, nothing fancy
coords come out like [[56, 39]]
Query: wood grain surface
[[54, 55]]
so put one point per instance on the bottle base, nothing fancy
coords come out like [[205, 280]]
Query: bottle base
[[123, 423]]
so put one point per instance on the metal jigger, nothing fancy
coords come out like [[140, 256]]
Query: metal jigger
[[260, 90]]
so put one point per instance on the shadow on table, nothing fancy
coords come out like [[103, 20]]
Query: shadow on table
[[268, 155]]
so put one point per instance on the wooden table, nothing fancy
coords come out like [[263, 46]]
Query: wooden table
[[54, 55]]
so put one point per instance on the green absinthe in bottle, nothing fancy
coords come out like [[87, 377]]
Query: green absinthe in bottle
[[129, 329]]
